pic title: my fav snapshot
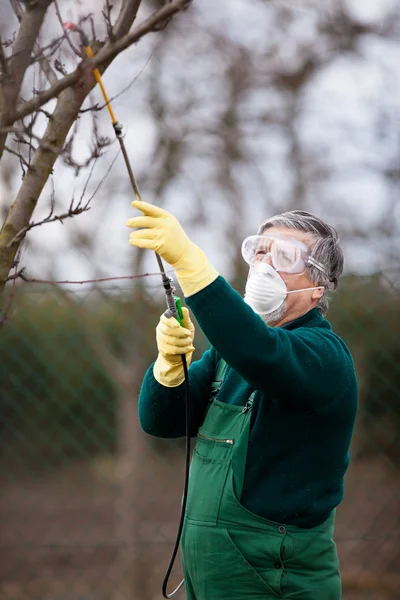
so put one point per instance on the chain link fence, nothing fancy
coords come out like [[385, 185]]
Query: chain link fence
[[89, 504]]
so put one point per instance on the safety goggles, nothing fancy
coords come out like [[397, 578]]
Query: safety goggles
[[286, 254]]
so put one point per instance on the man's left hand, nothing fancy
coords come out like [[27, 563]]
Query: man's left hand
[[158, 230]]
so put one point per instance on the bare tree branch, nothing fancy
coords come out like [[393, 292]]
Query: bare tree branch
[[104, 176], [127, 15], [66, 33], [106, 54], [99, 143], [21, 275], [106, 12], [73, 211], [18, 155], [97, 107], [20, 132], [40, 57], [19, 61], [45, 65]]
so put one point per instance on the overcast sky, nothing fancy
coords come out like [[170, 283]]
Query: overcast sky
[[339, 114]]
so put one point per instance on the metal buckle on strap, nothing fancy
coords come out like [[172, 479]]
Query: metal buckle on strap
[[248, 405]]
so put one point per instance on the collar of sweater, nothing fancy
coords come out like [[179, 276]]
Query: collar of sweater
[[313, 318]]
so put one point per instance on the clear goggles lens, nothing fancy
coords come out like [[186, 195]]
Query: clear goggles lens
[[287, 255]]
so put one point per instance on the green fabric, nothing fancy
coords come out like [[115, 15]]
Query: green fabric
[[303, 412], [229, 553]]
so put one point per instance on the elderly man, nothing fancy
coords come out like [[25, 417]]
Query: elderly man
[[273, 442]]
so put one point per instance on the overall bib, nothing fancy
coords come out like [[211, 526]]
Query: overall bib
[[230, 553]]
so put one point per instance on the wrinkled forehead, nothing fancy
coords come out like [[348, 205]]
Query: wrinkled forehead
[[289, 234]]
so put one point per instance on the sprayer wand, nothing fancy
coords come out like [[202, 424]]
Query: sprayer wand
[[173, 302]]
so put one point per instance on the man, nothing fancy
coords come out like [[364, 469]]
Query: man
[[272, 446]]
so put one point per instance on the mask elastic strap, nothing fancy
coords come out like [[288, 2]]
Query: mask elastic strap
[[318, 287]]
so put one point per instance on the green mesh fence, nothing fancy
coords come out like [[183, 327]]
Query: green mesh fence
[[89, 504]]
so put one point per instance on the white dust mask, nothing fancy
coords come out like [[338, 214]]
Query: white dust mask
[[265, 290]]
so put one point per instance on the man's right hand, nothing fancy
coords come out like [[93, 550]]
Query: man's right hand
[[173, 340]]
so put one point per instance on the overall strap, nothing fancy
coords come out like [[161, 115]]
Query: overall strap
[[219, 376]]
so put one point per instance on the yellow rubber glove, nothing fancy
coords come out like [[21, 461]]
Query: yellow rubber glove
[[173, 340], [160, 231]]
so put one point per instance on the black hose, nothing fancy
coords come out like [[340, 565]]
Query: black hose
[[185, 487]]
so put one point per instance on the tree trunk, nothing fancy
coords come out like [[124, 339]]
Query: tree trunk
[[62, 119]]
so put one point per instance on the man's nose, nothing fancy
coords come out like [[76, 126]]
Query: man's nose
[[266, 258]]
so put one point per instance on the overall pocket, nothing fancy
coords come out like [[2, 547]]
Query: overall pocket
[[241, 554], [208, 472]]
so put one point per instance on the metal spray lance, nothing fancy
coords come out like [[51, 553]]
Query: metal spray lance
[[173, 302]]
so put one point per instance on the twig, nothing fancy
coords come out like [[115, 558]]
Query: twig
[[16, 275], [127, 14], [99, 143], [92, 26], [31, 124], [43, 111], [52, 46], [99, 280], [88, 180], [39, 54], [96, 107], [105, 176], [65, 32], [53, 197], [27, 131], [105, 55], [9, 42], [22, 160], [45, 65], [20, 140], [107, 18], [72, 212]]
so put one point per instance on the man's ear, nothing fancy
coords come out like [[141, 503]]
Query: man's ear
[[318, 293]]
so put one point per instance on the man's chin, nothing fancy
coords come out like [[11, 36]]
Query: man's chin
[[275, 317]]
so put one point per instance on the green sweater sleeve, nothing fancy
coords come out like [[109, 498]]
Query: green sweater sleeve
[[307, 364], [162, 409]]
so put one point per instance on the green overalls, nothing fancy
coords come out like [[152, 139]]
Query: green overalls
[[231, 553]]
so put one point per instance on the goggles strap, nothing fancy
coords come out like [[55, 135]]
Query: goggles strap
[[316, 264]]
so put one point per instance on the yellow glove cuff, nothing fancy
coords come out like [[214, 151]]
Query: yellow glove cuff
[[170, 375], [194, 271]]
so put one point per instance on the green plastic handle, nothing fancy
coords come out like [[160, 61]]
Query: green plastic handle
[[178, 305]]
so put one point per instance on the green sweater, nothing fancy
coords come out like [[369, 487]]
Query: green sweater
[[303, 412]]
